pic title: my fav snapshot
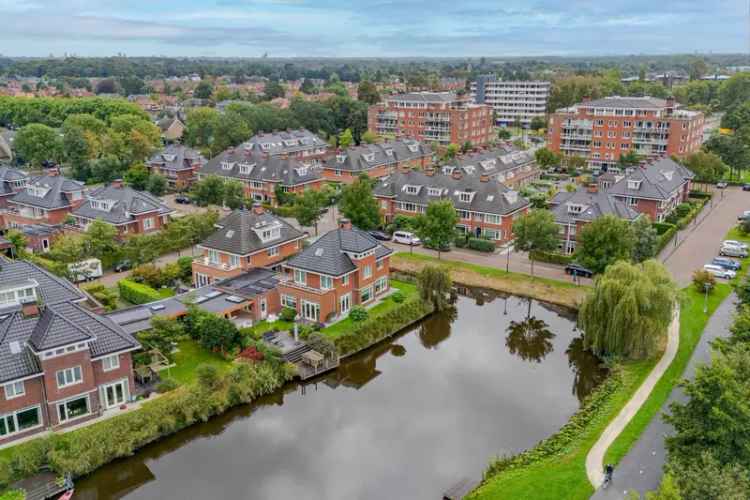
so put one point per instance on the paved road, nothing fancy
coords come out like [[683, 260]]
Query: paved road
[[698, 243], [641, 468]]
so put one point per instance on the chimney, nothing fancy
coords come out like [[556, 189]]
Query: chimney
[[592, 188], [586, 98], [404, 168], [484, 178], [258, 208], [53, 172], [670, 105], [345, 224], [429, 171], [117, 183], [457, 174], [284, 156], [30, 310]]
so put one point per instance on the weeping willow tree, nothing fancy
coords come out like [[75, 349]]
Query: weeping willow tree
[[435, 285], [629, 310]]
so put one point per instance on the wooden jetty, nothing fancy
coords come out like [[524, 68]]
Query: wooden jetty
[[43, 485]]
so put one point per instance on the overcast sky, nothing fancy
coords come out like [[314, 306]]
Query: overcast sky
[[287, 28]]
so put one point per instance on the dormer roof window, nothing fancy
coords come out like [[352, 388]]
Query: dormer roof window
[[448, 170], [413, 148], [266, 145], [470, 169], [227, 165], [669, 174], [246, 168], [168, 157], [389, 152], [487, 164], [105, 205], [19, 294], [370, 157], [575, 208], [465, 196], [434, 191], [340, 158], [634, 184], [411, 189], [38, 191], [268, 232], [290, 142], [302, 171]]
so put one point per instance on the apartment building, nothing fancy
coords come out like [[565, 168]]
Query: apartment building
[[300, 144], [486, 208], [178, 164], [505, 163], [261, 173], [573, 210], [60, 364], [343, 268], [654, 188], [128, 210], [46, 199], [603, 129], [513, 101], [376, 160], [442, 117], [245, 240]]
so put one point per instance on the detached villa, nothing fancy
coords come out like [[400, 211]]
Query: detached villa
[[178, 164], [299, 144], [46, 199]]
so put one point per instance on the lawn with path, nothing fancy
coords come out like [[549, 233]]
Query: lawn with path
[[191, 355]]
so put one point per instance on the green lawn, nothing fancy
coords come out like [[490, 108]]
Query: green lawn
[[190, 356], [346, 324], [263, 326]]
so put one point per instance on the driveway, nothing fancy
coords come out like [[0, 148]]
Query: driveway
[[698, 243], [111, 278]]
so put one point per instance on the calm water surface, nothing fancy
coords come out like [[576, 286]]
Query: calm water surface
[[404, 420]]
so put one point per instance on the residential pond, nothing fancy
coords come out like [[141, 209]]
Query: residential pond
[[405, 419]]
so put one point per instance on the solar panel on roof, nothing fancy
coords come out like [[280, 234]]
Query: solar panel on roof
[[234, 299], [213, 295]]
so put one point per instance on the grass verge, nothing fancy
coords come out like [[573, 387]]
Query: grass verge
[[189, 357], [548, 290]]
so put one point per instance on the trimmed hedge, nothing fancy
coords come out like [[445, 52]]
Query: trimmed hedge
[[481, 245], [700, 195], [662, 227], [374, 329], [551, 257], [138, 293], [84, 450]]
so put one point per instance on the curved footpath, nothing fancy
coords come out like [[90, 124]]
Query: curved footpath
[[641, 468], [595, 458]]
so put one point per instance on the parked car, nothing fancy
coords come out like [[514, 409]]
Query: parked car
[[733, 251], [380, 235], [406, 238], [734, 243], [746, 187], [744, 215], [182, 199], [575, 269], [730, 264], [721, 185], [719, 271], [123, 265]]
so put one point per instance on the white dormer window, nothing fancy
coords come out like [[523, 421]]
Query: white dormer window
[[413, 148], [38, 191], [302, 171], [470, 169], [434, 191], [389, 152], [246, 168], [448, 170], [411, 189], [290, 142], [227, 165], [169, 158], [487, 164], [668, 175], [575, 208], [370, 157], [340, 158], [465, 197], [511, 197], [18, 295], [634, 184], [266, 146], [105, 205]]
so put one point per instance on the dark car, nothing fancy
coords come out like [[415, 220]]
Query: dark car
[[746, 187], [123, 265], [182, 199], [726, 263], [380, 235], [575, 269]]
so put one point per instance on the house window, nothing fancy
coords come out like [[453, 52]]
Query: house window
[[366, 272], [273, 251], [69, 376], [111, 363], [381, 285], [14, 390], [365, 294], [632, 201], [380, 263], [326, 282], [384, 203], [493, 234], [465, 197], [74, 408], [234, 261], [289, 301], [148, 223], [411, 189], [20, 421], [492, 219], [213, 257], [345, 280], [300, 277]]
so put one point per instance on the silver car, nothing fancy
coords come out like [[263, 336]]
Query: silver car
[[719, 271], [733, 251]]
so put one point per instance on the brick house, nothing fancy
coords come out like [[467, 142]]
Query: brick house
[[604, 129], [245, 240], [261, 173], [47, 199], [178, 164], [130, 211], [376, 160], [486, 208], [343, 268], [171, 128], [299, 144], [60, 364], [505, 164], [12, 180], [443, 117], [654, 188], [574, 210]]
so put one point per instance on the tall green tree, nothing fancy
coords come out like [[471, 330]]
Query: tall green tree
[[535, 231], [100, 241], [359, 205], [137, 176], [234, 193], [200, 127], [36, 143], [438, 224], [307, 208], [605, 240], [157, 184], [346, 139], [230, 129], [645, 239], [707, 166], [628, 311], [18, 242], [368, 92], [546, 158], [203, 90], [208, 191]]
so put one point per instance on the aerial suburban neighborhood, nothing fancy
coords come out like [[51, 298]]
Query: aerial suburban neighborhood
[[285, 250]]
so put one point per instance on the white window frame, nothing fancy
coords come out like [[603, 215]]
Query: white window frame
[[13, 416], [73, 380], [366, 271], [273, 251], [326, 283], [345, 280], [148, 223], [300, 277], [110, 363], [289, 301], [15, 390], [366, 291], [63, 404]]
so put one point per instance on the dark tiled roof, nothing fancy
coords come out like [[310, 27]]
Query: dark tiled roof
[[55, 197], [128, 203], [237, 233], [260, 167], [328, 254], [53, 289], [8, 175], [368, 156], [493, 161], [289, 141], [176, 157], [627, 102], [53, 330], [488, 197], [594, 206], [658, 180]]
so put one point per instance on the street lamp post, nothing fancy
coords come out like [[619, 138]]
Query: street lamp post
[[507, 259], [706, 287]]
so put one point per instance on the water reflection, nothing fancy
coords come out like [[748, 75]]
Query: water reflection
[[437, 328], [530, 339], [588, 370]]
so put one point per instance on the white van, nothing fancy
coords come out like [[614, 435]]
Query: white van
[[85, 270], [406, 238], [719, 271]]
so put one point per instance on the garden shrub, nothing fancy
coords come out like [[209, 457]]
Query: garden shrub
[[662, 227], [700, 195], [185, 263], [287, 314], [13, 495], [551, 257], [105, 296], [137, 293], [358, 313], [398, 297], [481, 245], [167, 385], [701, 278]]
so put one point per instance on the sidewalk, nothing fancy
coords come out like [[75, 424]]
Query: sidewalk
[[641, 468]]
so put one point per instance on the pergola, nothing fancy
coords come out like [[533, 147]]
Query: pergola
[[313, 358]]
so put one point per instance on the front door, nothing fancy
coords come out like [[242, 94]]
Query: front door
[[346, 303], [311, 311], [479, 232], [263, 308], [115, 394]]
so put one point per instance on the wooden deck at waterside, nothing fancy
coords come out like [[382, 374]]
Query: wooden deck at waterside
[[309, 362], [43, 485]]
